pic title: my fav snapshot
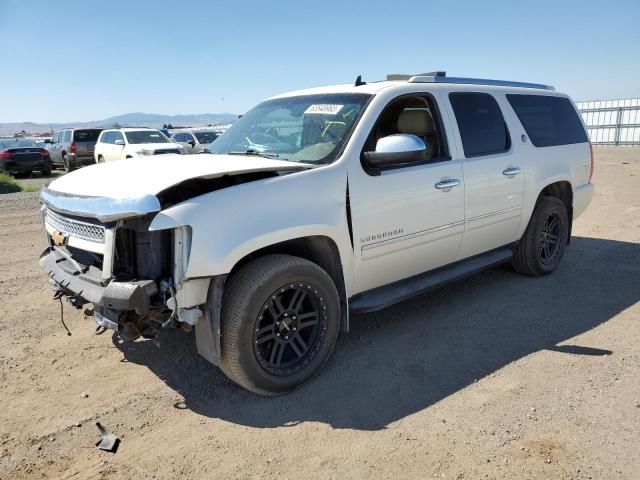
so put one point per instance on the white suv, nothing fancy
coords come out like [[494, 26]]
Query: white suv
[[319, 203], [122, 143], [195, 140]]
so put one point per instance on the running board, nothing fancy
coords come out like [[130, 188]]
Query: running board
[[387, 295]]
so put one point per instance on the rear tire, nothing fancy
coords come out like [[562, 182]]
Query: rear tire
[[46, 172], [66, 164], [545, 239], [280, 319]]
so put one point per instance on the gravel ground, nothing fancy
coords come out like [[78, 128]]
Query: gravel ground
[[36, 181], [497, 376]]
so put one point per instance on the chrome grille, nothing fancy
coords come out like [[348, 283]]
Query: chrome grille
[[76, 228]]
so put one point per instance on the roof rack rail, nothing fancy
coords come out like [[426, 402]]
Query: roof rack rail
[[403, 76], [429, 78]]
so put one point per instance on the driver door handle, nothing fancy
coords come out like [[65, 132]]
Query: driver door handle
[[447, 184], [511, 171]]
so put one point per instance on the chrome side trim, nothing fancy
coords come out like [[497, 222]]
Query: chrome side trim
[[410, 236], [104, 209], [493, 214]]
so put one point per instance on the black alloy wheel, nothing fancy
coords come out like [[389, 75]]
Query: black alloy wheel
[[289, 328], [550, 238]]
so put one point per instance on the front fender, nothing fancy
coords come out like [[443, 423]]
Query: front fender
[[231, 223]]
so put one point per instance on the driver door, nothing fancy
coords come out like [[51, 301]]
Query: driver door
[[407, 219]]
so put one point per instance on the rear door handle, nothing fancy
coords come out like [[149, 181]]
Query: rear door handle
[[511, 171], [447, 184]]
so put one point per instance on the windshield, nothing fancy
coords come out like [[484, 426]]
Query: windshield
[[206, 137], [310, 128], [146, 136], [18, 143]]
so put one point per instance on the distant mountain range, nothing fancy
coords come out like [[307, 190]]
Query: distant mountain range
[[137, 119]]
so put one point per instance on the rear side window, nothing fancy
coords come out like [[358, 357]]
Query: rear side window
[[482, 128], [548, 121], [67, 136], [206, 137], [86, 135]]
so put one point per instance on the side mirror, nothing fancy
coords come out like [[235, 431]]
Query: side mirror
[[48, 141], [192, 143], [119, 142], [395, 150]]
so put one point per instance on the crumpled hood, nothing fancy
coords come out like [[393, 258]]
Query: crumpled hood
[[136, 177], [128, 188]]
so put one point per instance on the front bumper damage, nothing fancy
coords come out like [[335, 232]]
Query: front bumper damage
[[101, 251], [109, 298]]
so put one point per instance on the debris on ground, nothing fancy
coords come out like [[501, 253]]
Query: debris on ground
[[108, 442]]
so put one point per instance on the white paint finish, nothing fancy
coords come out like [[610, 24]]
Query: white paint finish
[[151, 175], [493, 200], [581, 198], [426, 227], [231, 223], [405, 203]]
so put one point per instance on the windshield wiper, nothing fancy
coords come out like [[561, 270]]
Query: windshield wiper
[[255, 153]]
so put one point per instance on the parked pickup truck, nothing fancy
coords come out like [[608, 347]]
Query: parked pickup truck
[[317, 204]]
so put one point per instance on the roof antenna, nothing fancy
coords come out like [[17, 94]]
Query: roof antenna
[[359, 81]]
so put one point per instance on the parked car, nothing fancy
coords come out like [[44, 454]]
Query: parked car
[[373, 193], [123, 143], [194, 140], [72, 147], [19, 156]]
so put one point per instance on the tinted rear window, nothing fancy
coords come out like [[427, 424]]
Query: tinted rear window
[[20, 143], [482, 128], [206, 137], [86, 135], [548, 120]]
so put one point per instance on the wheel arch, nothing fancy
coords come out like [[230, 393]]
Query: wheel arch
[[563, 190], [319, 249]]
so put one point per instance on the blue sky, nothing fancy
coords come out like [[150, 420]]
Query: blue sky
[[73, 60]]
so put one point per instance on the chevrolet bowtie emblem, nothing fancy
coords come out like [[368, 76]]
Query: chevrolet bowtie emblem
[[58, 238]]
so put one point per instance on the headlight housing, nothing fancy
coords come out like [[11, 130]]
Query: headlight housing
[[144, 151]]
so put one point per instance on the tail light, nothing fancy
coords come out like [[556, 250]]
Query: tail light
[[72, 147], [7, 155], [44, 153], [592, 162]]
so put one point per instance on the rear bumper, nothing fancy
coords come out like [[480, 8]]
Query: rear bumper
[[581, 198], [78, 160], [11, 167], [119, 296]]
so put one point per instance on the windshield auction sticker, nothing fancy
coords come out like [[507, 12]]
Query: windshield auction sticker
[[323, 108]]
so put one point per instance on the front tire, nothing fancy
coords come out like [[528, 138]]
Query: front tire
[[545, 239], [280, 319]]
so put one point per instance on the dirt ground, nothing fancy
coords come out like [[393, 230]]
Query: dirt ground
[[497, 376]]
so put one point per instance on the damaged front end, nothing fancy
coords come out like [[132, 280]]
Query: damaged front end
[[101, 252]]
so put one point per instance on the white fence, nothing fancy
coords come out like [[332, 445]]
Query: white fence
[[612, 122]]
